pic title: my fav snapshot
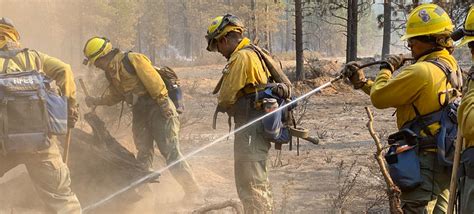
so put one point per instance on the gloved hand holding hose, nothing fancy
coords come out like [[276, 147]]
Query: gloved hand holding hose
[[355, 73]]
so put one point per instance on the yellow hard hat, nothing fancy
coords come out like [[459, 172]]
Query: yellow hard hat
[[8, 34], [220, 26], [96, 47], [468, 28], [428, 19]]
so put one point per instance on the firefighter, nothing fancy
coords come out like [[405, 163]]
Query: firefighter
[[466, 118], [242, 76], [419, 93], [50, 175], [155, 118]]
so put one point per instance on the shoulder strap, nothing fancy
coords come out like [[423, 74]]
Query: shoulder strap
[[128, 65], [10, 54], [255, 49]]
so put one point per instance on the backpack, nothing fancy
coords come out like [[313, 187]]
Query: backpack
[[30, 110], [170, 78]]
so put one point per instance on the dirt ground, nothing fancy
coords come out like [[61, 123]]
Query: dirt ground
[[337, 175]]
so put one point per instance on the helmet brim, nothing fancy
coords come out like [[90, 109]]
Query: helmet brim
[[465, 41]]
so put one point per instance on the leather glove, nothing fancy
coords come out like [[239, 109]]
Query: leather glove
[[166, 109], [72, 116], [393, 62], [355, 75], [92, 101], [281, 90]]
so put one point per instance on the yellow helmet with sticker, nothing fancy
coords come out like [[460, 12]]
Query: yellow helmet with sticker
[[428, 19]]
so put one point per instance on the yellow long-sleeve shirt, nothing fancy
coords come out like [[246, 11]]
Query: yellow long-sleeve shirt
[[419, 84], [466, 115], [145, 80], [53, 68], [244, 69]]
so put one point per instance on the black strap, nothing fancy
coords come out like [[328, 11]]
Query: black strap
[[5, 124], [421, 122], [128, 65]]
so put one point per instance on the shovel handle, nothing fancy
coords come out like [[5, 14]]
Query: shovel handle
[[67, 145]]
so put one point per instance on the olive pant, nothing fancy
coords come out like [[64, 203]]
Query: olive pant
[[50, 177], [250, 156], [149, 126], [466, 182], [432, 195]]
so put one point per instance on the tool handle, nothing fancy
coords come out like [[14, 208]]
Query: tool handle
[[66, 146], [83, 86], [86, 92], [453, 183]]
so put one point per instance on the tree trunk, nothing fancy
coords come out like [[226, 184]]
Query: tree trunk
[[351, 50], [267, 29], [139, 36], [387, 27], [153, 54], [299, 41], [253, 31], [288, 36], [187, 34]]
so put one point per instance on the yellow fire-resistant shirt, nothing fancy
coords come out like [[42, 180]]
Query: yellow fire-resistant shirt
[[466, 115], [243, 70], [146, 80], [53, 68], [419, 84]]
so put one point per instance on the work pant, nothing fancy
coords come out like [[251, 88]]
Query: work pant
[[50, 176], [466, 182], [149, 126], [432, 195], [250, 166]]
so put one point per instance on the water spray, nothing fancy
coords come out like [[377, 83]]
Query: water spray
[[159, 171]]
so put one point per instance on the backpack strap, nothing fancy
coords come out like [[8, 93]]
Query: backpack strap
[[9, 55], [262, 62], [456, 83], [128, 65]]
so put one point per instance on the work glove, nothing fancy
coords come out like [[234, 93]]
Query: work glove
[[166, 109], [393, 62], [281, 90], [355, 75], [72, 116], [92, 101]]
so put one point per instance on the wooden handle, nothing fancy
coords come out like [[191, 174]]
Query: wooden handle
[[66, 146], [453, 184], [83, 86]]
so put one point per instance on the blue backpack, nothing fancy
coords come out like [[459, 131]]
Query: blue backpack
[[30, 111]]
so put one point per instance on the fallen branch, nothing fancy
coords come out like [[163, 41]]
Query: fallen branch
[[393, 192], [222, 205]]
